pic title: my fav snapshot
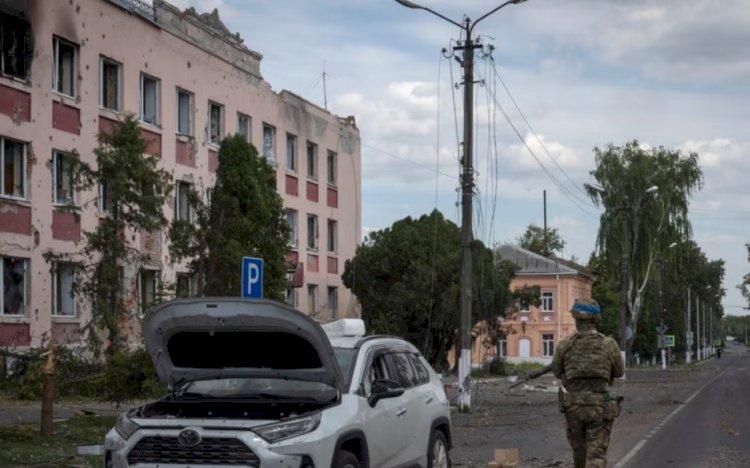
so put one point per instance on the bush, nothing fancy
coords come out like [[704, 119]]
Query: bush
[[497, 366]]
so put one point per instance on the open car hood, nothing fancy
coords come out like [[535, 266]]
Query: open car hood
[[205, 338]]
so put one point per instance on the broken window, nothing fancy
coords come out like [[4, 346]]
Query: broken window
[[312, 232], [312, 160], [62, 179], [333, 301], [148, 285], [65, 66], [215, 122], [185, 285], [13, 293], [149, 99], [291, 297], [184, 113], [291, 152], [312, 297], [332, 235], [331, 168], [105, 196], [63, 280], [109, 84], [183, 211], [269, 142], [291, 220], [548, 344], [243, 126], [502, 347], [13, 168], [15, 40]]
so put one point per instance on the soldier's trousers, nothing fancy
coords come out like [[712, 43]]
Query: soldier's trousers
[[588, 432]]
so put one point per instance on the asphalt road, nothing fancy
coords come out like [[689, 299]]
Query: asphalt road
[[710, 429]]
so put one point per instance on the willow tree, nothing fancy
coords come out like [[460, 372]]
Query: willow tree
[[645, 193]]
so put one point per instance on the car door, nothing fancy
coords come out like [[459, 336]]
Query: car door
[[411, 406], [429, 402], [384, 424]]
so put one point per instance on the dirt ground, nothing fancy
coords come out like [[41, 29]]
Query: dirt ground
[[527, 417]]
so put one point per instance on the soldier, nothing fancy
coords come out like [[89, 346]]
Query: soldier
[[586, 363]]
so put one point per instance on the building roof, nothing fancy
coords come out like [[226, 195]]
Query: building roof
[[533, 264]]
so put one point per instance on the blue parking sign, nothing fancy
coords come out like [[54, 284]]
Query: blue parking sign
[[252, 277]]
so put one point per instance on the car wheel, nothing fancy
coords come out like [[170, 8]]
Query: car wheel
[[437, 453], [347, 459]]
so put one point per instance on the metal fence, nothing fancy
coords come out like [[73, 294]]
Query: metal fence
[[141, 8]]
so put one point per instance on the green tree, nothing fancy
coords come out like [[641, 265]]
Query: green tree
[[538, 241], [245, 217], [645, 195], [406, 278], [744, 287], [136, 190]]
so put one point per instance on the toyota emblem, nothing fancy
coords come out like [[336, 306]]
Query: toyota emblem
[[189, 438]]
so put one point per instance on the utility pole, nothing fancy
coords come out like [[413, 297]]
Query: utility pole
[[467, 193], [688, 333], [698, 340], [624, 290]]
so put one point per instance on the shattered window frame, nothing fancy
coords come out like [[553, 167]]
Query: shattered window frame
[[106, 66], [312, 232], [183, 208], [14, 186], [291, 152], [312, 160], [14, 291], [63, 186], [291, 219], [215, 122], [185, 285], [333, 301], [333, 236], [60, 84], [149, 280], [244, 126], [63, 284], [184, 112], [312, 299], [145, 80], [331, 166], [15, 31], [269, 142]]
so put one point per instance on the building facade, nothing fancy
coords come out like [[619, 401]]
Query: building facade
[[71, 69], [530, 333]]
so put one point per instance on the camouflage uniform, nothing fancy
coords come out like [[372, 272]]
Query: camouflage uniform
[[586, 362]]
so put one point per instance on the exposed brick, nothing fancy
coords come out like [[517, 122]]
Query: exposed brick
[[15, 218], [15, 104], [65, 226]]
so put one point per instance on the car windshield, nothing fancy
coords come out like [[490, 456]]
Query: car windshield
[[345, 359], [259, 388]]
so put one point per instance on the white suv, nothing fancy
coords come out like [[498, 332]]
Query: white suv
[[258, 384]]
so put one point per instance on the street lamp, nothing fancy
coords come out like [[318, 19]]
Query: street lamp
[[467, 47]]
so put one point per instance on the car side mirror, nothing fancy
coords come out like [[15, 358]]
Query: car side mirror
[[384, 388]]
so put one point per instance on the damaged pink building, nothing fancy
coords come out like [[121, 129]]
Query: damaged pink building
[[68, 70]]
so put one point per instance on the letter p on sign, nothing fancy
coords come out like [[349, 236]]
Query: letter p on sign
[[252, 277]]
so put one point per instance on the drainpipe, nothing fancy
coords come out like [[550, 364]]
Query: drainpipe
[[559, 315]]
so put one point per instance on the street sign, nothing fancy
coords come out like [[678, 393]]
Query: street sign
[[669, 341], [252, 277]]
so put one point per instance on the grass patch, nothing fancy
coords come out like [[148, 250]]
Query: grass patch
[[21, 445]]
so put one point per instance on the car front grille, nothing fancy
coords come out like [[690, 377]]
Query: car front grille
[[211, 450]]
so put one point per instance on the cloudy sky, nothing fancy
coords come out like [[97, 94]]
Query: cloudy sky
[[565, 77]]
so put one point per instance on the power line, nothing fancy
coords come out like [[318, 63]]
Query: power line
[[413, 163], [565, 191], [531, 129]]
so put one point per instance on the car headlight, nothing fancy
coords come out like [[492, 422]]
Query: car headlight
[[285, 430], [125, 426]]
